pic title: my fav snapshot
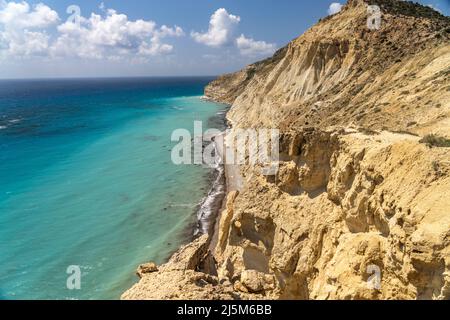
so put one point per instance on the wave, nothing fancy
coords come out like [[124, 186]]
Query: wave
[[212, 203], [11, 122]]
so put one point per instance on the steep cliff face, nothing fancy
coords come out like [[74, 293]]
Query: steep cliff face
[[343, 204], [359, 208], [228, 87], [341, 72]]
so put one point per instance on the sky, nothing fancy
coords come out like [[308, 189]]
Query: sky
[[113, 38]]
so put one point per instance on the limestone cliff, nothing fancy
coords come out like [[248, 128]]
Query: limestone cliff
[[341, 72], [362, 186]]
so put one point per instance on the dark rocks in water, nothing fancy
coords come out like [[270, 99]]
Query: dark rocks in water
[[151, 138], [211, 205], [209, 208]]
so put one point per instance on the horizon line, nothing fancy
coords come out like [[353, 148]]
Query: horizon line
[[108, 77]]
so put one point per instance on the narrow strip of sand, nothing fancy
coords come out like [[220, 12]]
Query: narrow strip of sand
[[232, 183]]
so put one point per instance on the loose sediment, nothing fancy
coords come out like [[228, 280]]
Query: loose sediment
[[212, 203], [210, 207]]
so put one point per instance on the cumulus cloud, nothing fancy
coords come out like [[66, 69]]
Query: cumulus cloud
[[113, 36], [250, 47], [334, 8], [155, 46], [222, 26], [108, 36], [222, 32], [21, 25], [15, 15]]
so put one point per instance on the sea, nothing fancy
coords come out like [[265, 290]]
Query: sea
[[87, 185]]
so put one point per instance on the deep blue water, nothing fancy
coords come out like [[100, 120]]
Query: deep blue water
[[87, 180]]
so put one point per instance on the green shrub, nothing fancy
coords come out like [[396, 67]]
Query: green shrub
[[433, 140]]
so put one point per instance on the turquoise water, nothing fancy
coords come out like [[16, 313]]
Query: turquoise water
[[87, 180]]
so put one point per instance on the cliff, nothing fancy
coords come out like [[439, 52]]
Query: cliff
[[340, 72], [364, 171]]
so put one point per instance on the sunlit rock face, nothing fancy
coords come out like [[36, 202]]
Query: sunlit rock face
[[358, 208]]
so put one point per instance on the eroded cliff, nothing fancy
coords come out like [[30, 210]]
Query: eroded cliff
[[359, 194]]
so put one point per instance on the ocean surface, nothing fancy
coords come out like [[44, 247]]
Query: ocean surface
[[86, 179]]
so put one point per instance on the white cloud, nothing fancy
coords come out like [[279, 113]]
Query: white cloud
[[108, 36], [15, 15], [250, 47], [113, 35], [334, 8], [155, 46], [35, 43], [21, 27], [221, 32], [222, 26]]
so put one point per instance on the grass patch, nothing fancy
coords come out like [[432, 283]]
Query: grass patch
[[433, 140]]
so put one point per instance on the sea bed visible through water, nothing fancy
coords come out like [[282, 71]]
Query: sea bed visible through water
[[87, 180]]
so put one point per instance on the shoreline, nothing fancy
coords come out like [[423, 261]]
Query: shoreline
[[210, 208], [212, 204]]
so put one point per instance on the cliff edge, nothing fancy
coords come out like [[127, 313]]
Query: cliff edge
[[359, 208]]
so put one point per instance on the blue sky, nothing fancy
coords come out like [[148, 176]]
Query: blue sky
[[149, 38]]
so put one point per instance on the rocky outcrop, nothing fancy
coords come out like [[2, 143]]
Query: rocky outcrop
[[358, 208], [182, 277]]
